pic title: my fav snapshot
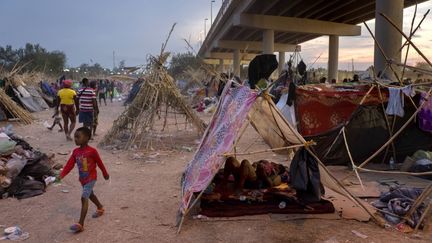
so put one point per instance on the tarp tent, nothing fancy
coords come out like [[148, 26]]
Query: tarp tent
[[37, 98], [223, 132], [366, 132], [27, 100]]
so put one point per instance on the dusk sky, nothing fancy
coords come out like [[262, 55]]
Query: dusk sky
[[89, 31]]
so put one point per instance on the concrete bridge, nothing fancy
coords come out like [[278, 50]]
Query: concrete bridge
[[245, 28]]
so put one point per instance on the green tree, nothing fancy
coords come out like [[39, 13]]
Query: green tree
[[35, 56], [181, 62]]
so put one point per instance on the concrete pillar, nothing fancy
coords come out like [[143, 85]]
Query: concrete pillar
[[268, 42], [387, 36], [333, 60], [221, 65], [236, 62], [281, 62]]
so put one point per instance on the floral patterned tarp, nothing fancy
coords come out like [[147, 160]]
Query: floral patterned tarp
[[322, 107], [218, 140]]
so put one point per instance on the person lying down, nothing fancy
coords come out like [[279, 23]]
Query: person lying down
[[258, 175]]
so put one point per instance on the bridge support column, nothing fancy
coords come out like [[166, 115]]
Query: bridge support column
[[333, 58], [236, 62], [281, 62], [387, 36], [268, 42]]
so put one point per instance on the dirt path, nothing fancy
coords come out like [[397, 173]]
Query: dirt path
[[142, 200]]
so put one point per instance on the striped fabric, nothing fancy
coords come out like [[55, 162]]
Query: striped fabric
[[86, 97]]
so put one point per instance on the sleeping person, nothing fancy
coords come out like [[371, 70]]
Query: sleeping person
[[258, 175]]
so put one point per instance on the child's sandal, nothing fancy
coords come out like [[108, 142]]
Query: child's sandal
[[98, 213], [76, 228]]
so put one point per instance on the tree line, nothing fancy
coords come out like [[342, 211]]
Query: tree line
[[34, 57]]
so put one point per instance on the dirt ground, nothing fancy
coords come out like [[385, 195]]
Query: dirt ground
[[142, 199]]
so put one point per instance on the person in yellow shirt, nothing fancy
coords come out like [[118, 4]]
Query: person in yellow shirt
[[68, 103]]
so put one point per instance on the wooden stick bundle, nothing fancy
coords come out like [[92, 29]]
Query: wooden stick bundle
[[15, 109]]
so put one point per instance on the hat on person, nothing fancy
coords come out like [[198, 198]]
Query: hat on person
[[67, 83]]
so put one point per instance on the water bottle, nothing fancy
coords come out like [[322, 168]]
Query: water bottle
[[392, 163], [282, 205]]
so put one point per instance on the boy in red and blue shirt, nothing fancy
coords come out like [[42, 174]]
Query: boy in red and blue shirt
[[87, 159]]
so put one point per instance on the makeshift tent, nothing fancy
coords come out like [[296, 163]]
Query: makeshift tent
[[225, 130], [28, 101], [158, 97], [37, 98], [367, 131]]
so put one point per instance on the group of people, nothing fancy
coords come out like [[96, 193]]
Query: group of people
[[82, 104], [106, 89]]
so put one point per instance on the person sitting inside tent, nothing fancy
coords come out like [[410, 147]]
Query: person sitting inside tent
[[261, 174]]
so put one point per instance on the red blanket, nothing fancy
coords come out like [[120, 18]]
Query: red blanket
[[321, 107]]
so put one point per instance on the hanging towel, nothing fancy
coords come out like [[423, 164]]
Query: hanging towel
[[425, 114], [408, 90], [395, 106]]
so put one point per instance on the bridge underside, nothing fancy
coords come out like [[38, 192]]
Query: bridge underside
[[261, 26]]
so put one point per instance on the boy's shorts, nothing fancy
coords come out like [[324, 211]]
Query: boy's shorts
[[88, 189]]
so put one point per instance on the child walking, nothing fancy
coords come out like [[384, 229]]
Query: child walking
[[57, 121], [87, 159]]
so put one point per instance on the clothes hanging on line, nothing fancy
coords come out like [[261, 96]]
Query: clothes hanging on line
[[395, 106], [408, 90]]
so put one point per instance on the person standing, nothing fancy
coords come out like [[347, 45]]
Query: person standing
[[93, 85], [102, 91], [111, 90], [87, 160], [87, 104], [68, 103]]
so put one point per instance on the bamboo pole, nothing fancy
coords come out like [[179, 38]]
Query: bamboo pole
[[407, 38], [417, 28], [425, 194], [340, 131], [394, 172], [334, 142], [390, 131], [398, 132], [417, 69], [382, 52], [422, 218], [351, 159], [367, 94], [271, 150], [408, 46], [377, 219]]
